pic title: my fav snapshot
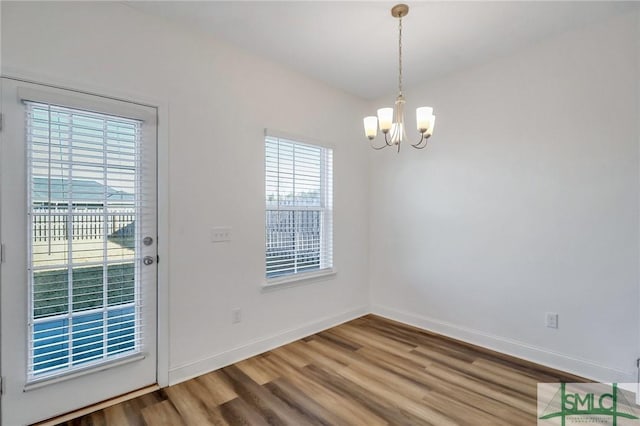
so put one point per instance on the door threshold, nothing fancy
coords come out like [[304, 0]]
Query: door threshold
[[99, 406]]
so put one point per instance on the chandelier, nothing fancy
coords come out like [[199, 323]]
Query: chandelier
[[391, 120]]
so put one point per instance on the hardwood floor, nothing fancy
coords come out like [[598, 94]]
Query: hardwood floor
[[369, 371]]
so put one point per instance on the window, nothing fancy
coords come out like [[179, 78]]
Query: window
[[83, 208], [299, 208]]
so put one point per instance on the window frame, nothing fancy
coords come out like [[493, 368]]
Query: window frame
[[326, 209], [34, 99]]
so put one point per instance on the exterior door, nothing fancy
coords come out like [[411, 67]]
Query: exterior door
[[78, 227]]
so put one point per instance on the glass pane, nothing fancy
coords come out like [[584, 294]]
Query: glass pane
[[88, 337], [51, 292], [121, 284], [87, 287], [49, 244], [292, 241], [121, 330], [51, 344], [121, 235]]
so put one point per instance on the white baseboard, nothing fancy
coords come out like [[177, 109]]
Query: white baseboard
[[193, 369], [581, 367], [538, 355]]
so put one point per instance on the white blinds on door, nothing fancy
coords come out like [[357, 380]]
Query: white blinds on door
[[84, 201], [299, 207]]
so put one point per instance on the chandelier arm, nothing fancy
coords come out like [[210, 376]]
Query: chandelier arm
[[420, 144], [378, 148], [386, 139], [419, 147]]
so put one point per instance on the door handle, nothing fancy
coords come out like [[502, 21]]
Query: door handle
[[147, 260]]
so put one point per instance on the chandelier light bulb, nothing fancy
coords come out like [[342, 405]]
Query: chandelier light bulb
[[385, 119], [371, 127], [423, 118]]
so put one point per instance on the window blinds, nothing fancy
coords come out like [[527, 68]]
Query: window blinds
[[299, 207], [84, 204]]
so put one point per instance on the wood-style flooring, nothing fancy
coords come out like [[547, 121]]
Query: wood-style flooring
[[369, 371]]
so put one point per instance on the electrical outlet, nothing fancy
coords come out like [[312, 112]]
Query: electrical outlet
[[220, 234], [551, 320], [236, 316]]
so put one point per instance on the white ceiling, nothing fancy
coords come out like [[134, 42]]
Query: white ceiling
[[353, 45]]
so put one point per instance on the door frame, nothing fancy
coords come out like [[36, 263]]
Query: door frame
[[162, 161]]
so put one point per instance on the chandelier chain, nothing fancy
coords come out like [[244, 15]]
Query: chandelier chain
[[400, 55]]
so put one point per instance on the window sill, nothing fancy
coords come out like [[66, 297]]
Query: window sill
[[292, 280]]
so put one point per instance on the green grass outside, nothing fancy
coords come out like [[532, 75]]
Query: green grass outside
[[51, 288]]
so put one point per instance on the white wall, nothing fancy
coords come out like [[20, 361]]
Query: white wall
[[219, 99], [525, 202]]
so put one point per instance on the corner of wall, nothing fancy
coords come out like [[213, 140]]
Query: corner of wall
[[210, 363]]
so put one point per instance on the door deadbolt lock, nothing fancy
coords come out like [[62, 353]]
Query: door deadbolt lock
[[147, 260], [147, 241]]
